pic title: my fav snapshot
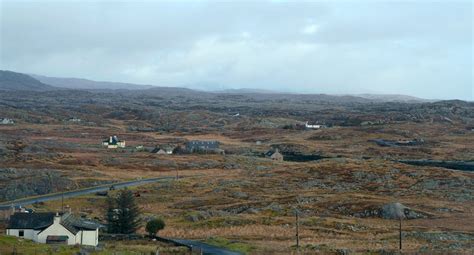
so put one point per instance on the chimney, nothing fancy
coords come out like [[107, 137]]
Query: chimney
[[110, 139], [57, 218]]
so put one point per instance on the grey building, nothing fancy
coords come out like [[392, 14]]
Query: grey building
[[195, 145]]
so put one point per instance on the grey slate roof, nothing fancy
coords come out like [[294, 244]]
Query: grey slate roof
[[30, 220], [202, 145], [74, 224]]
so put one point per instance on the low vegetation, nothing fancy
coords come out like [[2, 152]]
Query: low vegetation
[[337, 176]]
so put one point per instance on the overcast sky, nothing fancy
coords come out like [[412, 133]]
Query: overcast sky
[[420, 48]]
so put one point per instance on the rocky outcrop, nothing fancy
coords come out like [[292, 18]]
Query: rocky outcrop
[[18, 183], [391, 211]]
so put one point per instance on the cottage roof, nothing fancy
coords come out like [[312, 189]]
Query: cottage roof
[[202, 145], [74, 224], [113, 140], [166, 148], [30, 220]]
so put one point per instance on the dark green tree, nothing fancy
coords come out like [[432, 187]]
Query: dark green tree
[[111, 215], [123, 214], [154, 225]]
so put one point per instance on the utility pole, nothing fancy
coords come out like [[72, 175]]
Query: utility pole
[[62, 202], [400, 232], [297, 229]]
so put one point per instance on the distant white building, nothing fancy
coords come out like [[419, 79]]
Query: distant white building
[[6, 121], [53, 228], [74, 119], [307, 125], [113, 142]]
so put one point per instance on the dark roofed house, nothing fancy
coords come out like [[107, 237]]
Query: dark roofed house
[[6, 121], [54, 228], [195, 146], [113, 142], [163, 150]]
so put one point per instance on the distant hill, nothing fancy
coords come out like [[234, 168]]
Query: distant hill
[[99, 86], [248, 91], [77, 83], [18, 81], [393, 98]]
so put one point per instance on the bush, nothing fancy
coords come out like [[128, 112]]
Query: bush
[[154, 225]]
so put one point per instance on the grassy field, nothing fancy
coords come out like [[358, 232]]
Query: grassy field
[[13, 245]]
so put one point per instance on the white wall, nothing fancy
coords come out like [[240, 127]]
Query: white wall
[[56, 229], [28, 233], [89, 237]]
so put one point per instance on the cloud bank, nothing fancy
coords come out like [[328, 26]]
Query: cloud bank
[[420, 48]]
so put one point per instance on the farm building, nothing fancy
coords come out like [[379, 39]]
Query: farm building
[[54, 228], [113, 142], [74, 119], [163, 150], [194, 146], [6, 121], [277, 156], [274, 155], [312, 126]]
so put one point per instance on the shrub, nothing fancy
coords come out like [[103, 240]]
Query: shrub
[[154, 225]]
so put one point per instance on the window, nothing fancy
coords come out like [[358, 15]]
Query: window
[[21, 233]]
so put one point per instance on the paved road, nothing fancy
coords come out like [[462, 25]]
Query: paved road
[[75, 193], [207, 249]]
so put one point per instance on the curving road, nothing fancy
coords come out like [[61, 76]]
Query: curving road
[[75, 193]]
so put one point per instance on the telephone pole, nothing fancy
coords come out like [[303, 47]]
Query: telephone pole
[[62, 202], [400, 232], [297, 229]]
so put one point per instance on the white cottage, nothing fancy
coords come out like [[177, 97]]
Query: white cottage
[[54, 228], [113, 143], [6, 121], [311, 126]]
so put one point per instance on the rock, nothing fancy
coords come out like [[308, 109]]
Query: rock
[[343, 251], [239, 194], [274, 207], [198, 216], [33, 182], [393, 211]]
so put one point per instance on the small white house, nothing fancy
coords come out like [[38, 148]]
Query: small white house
[[53, 228], [307, 125], [6, 121], [113, 142], [74, 119]]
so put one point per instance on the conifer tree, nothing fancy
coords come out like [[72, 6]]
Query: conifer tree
[[123, 214]]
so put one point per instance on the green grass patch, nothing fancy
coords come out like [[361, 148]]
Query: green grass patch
[[244, 248], [11, 244]]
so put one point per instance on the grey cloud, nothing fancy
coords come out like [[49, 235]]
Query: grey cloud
[[417, 48]]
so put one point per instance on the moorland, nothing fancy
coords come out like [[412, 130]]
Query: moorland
[[368, 154]]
